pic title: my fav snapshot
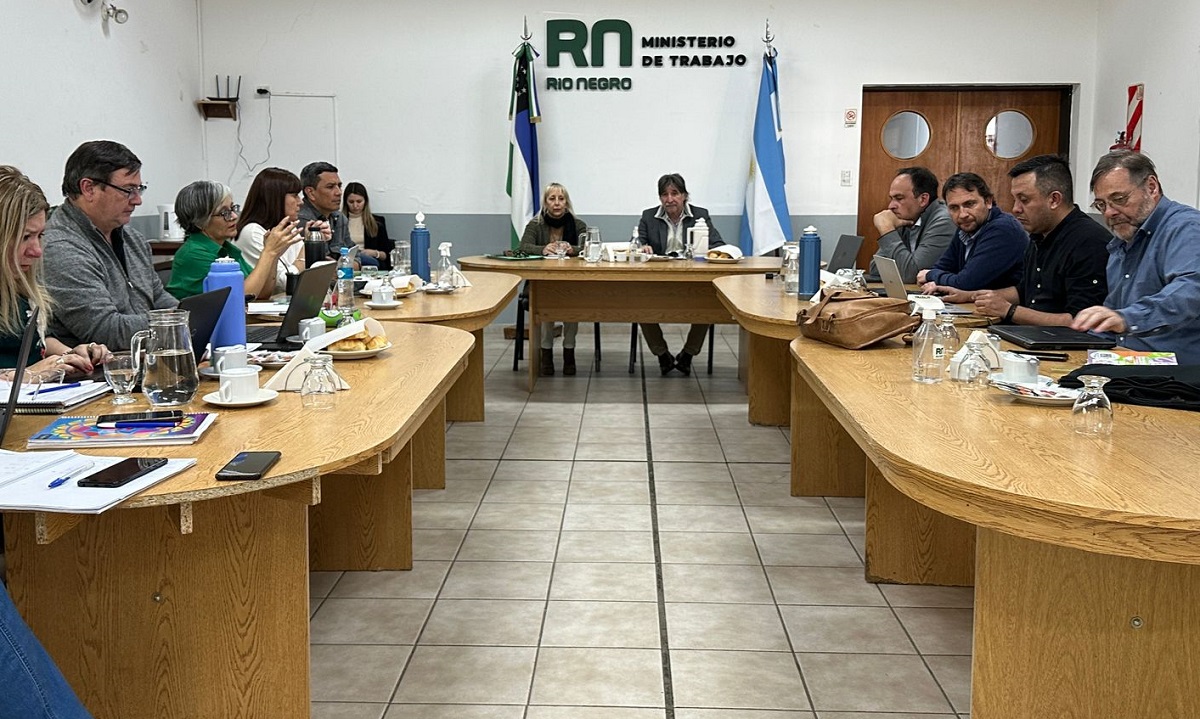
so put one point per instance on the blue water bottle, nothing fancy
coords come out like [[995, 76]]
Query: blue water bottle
[[231, 327], [810, 262], [419, 241]]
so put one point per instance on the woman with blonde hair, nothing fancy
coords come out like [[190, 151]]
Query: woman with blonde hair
[[555, 228], [23, 209]]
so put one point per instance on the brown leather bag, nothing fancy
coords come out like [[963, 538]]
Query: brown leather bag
[[855, 319]]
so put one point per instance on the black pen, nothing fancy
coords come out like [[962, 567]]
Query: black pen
[[1048, 356]]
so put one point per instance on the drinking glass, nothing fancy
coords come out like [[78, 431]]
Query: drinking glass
[[319, 389], [121, 374], [974, 371], [1092, 413], [560, 250]]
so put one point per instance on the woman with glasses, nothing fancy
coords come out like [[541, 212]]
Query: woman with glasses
[[207, 214], [274, 197], [23, 210]]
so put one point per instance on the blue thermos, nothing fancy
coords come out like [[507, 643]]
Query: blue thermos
[[419, 242], [231, 327], [810, 262]]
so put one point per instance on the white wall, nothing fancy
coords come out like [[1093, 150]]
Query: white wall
[[1153, 43], [422, 91], [66, 80]]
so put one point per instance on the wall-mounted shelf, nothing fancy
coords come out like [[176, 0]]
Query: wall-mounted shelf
[[218, 109]]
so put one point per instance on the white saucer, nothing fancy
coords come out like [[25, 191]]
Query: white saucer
[[264, 395], [383, 305]]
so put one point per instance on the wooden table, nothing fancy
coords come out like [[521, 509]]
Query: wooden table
[[1085, 557], [769, 318], [191, 599], [471, 309], [575, 291]]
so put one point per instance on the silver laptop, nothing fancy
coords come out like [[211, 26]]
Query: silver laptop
[[894, 284], [845, 253]]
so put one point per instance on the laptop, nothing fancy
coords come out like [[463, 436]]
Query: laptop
[[893, 283], [845, 253], [306, 302], [10, 406], [203, 312], [1033, 337]]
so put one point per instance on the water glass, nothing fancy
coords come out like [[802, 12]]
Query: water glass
[[319, 389], [560, 250], [974, 371], [1092, 414], [120, 371]]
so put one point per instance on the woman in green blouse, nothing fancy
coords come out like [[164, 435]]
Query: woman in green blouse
[[207, 214]]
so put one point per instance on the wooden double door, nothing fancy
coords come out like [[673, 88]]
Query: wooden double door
[[961, 137]]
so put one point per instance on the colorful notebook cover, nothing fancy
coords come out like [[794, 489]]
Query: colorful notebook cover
[[82, 432]]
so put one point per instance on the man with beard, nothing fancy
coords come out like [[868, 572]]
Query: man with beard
[[1153, 301]]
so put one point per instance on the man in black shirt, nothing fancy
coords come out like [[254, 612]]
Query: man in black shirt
[[1067, 254]]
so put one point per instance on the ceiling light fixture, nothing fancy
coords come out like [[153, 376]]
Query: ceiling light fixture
[[120, 15]]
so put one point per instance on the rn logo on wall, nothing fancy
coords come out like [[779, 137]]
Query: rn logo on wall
[[584, 47]]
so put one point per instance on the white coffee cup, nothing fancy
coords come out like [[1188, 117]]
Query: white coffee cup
[[227, 358], [385, 294], [239, 384], [1019, 368]]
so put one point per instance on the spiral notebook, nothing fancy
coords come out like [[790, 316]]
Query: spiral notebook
[[55, 397]]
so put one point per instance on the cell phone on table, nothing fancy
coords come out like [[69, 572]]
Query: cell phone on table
[[109, 421], [248, 465], [122, 472]]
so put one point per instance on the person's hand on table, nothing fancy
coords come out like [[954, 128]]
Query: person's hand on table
[[552, 249], [955, 295], [921, 276], [886, 221], [991, 304], [1099, 319]]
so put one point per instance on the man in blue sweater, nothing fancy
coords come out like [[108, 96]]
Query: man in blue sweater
[[988, 250]]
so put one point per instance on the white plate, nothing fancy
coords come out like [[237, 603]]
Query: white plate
[[724, 260], [1066, 399], [356, 354], [264, 395], [383, 305]]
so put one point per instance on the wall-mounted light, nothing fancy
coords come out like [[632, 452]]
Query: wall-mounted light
[[120, 15]]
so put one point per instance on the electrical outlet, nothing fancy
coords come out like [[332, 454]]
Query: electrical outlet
[[262, 91], [847, 180]]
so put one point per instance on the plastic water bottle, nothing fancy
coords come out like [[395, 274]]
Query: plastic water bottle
[[419, 248], [231, 327], [810, 262], [345, 283], [401, 256], [948, 338], [929, 359], [791, 270], [636, 253], [445, 274]]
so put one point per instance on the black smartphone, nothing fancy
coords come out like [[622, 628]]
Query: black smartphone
[[122, 472], [109, 421], [248, 465]]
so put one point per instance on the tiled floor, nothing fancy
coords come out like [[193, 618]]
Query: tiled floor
[[625, 547]]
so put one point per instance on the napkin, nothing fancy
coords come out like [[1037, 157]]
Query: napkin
[[291, 376], [400, 282], [732, 250], [458, 279]]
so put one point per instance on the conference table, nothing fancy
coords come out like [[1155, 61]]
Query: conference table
[[572, 290], [467, 308], [1084, 552], [769, 318], [191, 598]]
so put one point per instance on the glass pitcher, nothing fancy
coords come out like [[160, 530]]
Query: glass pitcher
[[591, 244], [164, 354]]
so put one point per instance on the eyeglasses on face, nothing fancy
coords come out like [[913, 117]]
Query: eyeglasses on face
[[129, 192], [1122, 200], [228, 213]]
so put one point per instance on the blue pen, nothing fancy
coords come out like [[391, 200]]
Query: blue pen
[[72, 385], [60, 481]]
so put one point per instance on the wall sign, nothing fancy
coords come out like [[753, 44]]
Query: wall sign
[[584, 47]]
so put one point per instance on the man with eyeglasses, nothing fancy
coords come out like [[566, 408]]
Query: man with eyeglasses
[[99, 271], [1153, 301]]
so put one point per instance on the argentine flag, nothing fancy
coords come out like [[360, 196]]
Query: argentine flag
[[523, 112], [766, 224]]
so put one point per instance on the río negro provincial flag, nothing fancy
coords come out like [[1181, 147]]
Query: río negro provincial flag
[[523, 112]]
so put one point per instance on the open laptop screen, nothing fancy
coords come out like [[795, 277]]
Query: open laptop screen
[[10, 406]]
